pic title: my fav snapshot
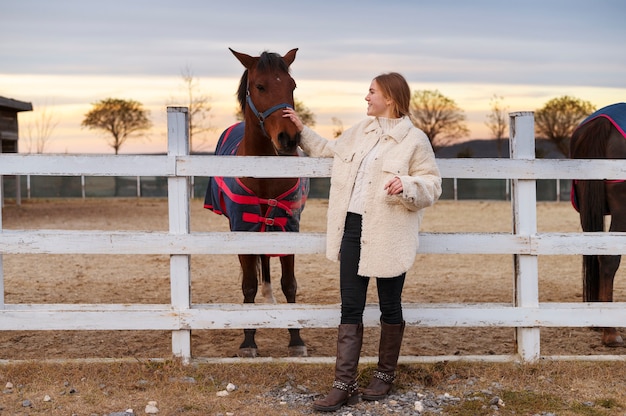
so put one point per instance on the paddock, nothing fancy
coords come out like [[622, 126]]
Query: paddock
[[525, 315]]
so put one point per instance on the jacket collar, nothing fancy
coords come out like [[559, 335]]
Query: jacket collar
[[398, 133]]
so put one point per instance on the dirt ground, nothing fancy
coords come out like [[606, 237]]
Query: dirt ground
[[215, 279]]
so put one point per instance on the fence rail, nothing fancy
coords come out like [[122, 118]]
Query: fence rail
[[180, 316], [39, 186], [261, 166]]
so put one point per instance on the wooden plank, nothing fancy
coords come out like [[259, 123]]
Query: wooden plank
[[145, 165], [158, 242], [239, 316], [474, 243], [486, 168], [118, 242], [254, 166], [579, 243], [88, 165]]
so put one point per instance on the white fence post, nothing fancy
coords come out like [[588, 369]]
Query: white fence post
[[1, 263], [179, 213], [18, 190], [524, 204]]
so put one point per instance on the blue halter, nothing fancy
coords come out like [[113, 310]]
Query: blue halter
[[264, 115]]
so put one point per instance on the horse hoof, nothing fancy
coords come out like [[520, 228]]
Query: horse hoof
[[614, 342], [298, 351], [248, 352]]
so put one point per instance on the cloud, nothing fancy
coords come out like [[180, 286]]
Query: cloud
[[480, 41]]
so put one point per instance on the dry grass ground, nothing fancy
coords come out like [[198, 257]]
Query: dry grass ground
[[564, 388], [560, 388]]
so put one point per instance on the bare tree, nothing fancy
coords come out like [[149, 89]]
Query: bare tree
[[497, 121], [438, 116], [338, 127], [559, 117], [121, 118], [199, 109], [40, 131]]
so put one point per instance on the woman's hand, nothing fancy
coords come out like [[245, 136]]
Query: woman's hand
[[394, 186], [290, 113]]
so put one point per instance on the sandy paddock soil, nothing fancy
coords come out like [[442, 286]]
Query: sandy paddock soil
[[215, 279]]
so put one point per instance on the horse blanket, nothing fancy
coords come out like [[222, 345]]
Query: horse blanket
[[616, 114], [231, 198]]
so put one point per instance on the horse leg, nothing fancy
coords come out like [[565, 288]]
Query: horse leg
[[608, 268], [249, 286], [616, 195], [289, 286]]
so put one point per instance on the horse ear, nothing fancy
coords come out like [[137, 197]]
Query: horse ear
[[290, 56], [246, 60]]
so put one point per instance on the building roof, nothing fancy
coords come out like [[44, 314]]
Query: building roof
[[15, 105]]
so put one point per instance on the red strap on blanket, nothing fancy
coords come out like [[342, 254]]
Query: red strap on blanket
[[226, 134], [254, 218], [255, 200]]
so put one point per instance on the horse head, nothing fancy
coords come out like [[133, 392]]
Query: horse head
[[266, 88]]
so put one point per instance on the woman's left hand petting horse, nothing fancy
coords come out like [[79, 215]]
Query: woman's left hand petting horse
[[262, 204]]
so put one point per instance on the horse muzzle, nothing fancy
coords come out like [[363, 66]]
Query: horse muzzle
[[287, 144]]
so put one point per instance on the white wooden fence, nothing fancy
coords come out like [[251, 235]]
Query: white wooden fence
[[525, 313]]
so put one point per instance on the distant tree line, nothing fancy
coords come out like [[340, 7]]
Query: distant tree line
[[443, 121], [437, 115]]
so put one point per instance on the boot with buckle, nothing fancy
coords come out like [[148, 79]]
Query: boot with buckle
[[345, 388], [388, 353]]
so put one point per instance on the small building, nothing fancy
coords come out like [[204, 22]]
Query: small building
[[9, 132], [8, 123]]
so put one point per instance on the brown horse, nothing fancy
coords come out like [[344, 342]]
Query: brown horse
[[262, 204], [601, 136]]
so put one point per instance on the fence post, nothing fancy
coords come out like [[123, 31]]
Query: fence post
[[1, 261], [179, 213], [524, 204], [456, 189], [18, 191]]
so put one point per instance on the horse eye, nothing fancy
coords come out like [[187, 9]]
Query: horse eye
[[260, 87]]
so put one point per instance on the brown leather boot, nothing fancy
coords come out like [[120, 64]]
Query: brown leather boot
[[388, 353], [345, 389]]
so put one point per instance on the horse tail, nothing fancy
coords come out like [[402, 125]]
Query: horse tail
[[265, 280], [264, 267], [589, 141], [591, 208]]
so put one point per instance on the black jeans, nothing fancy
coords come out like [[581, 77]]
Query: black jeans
[[354, 287]]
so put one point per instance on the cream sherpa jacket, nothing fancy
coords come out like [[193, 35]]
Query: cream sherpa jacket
[[389, 238]]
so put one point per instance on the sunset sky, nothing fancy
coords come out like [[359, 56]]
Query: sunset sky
[[64, 55]]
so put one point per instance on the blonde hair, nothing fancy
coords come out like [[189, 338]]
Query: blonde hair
[[395, 87]]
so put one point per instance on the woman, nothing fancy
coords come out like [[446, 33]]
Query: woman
[[384, 174]]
